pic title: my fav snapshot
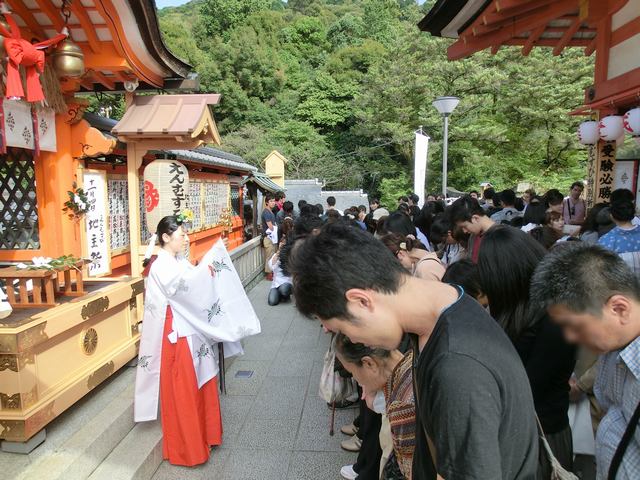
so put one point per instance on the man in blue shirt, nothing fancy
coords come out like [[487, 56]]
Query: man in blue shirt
[[594, 296], [624, 239]]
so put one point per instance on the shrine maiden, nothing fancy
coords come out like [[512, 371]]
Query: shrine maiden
[[188, 311]]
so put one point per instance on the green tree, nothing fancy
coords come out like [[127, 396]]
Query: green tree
[[220, 16]]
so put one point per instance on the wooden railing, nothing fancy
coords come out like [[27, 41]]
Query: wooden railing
[[249, 261]]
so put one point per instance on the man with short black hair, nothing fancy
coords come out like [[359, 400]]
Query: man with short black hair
[[474, 403], [509, 211], [413, 200], [286, 211], [574, 210], [490, 201], [474, 194], [594, 296], [403, 199], [467, 214], [374, 204], [280, 198], [331, 205]]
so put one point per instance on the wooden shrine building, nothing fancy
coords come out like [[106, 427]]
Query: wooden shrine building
[[73, 190]]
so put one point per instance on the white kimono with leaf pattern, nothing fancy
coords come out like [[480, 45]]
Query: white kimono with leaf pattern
[[209, 305]]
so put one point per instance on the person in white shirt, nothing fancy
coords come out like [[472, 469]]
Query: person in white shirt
[[281, 284]]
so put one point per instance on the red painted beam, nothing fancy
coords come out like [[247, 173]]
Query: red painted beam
[[534, 35], [470, 44], [567, 36], [508, 14]]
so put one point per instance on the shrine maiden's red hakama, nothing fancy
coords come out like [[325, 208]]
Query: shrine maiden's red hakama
[[191, 420]]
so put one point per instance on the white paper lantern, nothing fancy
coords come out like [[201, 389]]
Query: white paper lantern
[[611, 128], [631, 121], [588, 133]]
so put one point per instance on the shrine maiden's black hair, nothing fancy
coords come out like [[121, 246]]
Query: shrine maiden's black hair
[[168, 225]]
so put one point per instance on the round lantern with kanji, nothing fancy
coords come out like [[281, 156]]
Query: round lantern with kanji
[[611, 128]]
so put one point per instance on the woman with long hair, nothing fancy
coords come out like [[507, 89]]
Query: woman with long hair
[[506, 264]]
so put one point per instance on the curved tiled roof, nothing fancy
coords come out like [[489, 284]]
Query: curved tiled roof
[[197, 156]]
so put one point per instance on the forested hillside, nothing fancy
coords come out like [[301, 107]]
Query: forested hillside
[[339, 87]]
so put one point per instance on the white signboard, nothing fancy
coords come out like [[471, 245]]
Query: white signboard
[[97, 223], [17, 120]]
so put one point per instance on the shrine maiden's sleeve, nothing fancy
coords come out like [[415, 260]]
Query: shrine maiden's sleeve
[[162, 283]]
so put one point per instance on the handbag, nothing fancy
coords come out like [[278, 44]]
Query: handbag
[[557, 471], [333, 387], [624, 443]]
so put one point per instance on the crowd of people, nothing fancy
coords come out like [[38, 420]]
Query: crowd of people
[[477, 331]]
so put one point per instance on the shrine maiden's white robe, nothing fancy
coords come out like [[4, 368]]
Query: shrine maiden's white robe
[[209, 305]]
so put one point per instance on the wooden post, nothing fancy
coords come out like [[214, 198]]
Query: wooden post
[[254, 197], [134, 161]]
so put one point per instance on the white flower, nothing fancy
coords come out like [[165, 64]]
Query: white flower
[[41, 261], [82, 205], [22, 266], [76, 198]]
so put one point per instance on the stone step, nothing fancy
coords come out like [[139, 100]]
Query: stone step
[[136, 457], [83, 452]]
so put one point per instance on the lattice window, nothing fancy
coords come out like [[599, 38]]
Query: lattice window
[[18, 204], [235, 199]]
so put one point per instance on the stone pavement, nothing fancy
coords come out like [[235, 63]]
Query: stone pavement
[[275, 425]]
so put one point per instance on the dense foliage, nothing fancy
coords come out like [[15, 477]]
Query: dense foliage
[[339, 86]]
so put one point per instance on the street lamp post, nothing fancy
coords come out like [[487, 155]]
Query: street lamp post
[[445, 106]]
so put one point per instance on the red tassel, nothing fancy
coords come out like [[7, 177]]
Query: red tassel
[[14, 82]]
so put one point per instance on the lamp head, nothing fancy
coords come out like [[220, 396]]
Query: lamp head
[[446, 105]]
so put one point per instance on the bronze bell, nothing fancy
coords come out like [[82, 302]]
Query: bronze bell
[[68, 59]]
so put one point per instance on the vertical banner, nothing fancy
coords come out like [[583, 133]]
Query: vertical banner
[[420, 166], [592, 167], [605, 176], [166, 187], [97, 223]]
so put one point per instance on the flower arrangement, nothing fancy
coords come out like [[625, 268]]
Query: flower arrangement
[[48, 263], [186, 216], [78, 203]]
